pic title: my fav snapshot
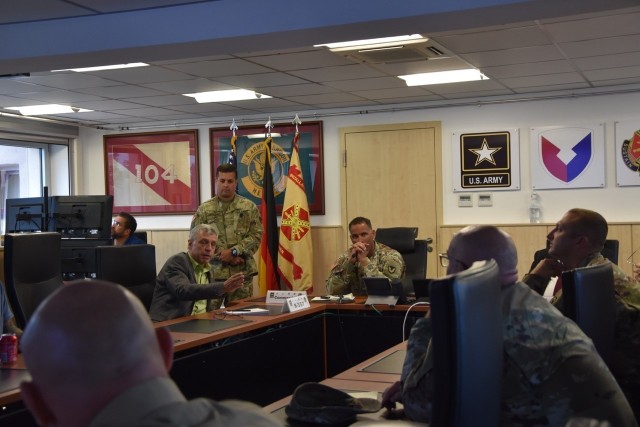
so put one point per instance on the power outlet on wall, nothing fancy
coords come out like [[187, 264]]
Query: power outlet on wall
[[485, 200], [465, 201]]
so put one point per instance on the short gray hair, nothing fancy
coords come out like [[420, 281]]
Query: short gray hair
[[206, 228]]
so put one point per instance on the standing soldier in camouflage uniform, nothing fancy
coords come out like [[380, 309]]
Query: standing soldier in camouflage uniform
[[239, 226], [576, 241], [365, 258], [552, 372]]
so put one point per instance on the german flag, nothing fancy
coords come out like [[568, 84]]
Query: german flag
[[268, 266]]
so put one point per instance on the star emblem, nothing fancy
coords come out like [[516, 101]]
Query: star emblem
[[485, 153]]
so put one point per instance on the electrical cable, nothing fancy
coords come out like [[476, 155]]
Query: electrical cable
[[404, 322]]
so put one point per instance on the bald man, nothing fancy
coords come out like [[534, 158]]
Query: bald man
[[96, 360], [552, 371]]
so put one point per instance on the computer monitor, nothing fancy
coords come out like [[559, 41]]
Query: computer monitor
[[79, 259], [24, 215], [81, 216]]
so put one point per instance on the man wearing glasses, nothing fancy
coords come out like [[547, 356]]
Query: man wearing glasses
[[576, 241], [185, 284], [122, 229]]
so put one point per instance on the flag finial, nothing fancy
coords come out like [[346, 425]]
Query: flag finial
[[296, 121], [268, 126]]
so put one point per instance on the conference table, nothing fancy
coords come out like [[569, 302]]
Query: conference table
[[369, 378], [259, 357]]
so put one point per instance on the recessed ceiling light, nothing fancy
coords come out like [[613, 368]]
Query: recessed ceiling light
[[105, 67], [374, 43], [38, 110], [441, 77], [226, 95]]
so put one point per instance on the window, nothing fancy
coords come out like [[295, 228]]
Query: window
[[26, 167]]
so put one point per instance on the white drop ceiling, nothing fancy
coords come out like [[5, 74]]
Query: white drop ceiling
[[528, 49]]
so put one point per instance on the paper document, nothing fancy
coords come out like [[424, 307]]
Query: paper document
[[334, 298], [242, 311]]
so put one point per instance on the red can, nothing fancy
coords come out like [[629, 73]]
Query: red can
[[8, 348]]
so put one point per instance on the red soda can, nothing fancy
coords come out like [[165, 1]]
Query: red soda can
[[8, 348]]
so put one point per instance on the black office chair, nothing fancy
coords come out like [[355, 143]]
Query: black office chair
[[467, 347], [588, 299], [142, 235], [32, 271], [133, 267], [414, 251], [609, 251]]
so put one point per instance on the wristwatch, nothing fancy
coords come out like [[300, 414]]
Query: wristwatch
[[234, 252]]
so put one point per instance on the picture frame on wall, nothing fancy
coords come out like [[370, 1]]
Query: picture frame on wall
[[153, 173], [249, 160]]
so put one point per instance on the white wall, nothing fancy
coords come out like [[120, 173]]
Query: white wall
[[617, 204]]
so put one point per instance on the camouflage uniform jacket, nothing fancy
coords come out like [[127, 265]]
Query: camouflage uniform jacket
[[345, 276], [625, 363], [240, 227], [551, 371]]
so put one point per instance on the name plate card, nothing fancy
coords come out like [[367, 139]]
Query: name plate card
[[296, 303], [279, 297]]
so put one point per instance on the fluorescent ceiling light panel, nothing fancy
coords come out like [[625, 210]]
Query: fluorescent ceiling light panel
[[441, 77], [38, 110], [374, 43], [226, 95], [105, 67]]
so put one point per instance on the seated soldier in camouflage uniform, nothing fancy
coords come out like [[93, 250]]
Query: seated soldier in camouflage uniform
[[552, 372], [576, 241], [365, 258]]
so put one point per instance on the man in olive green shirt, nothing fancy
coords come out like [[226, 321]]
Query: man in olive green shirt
[[576, 241], [239, 226], [365, 258]]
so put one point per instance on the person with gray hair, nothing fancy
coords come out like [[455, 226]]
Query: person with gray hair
[[185, 285], [96, 360], [552, 372]]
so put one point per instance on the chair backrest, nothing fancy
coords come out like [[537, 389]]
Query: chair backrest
[[588, 299], [609, 251], [467, 347], [414, 251], [133, 267], [32, 271], [142, 235]]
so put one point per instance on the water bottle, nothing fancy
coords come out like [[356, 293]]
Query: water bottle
[[535, 209]]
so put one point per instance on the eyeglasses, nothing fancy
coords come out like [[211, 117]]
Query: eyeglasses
[[630, 259], [445, 260], [117, 224]]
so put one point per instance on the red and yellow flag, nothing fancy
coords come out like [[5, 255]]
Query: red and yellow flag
[[295, 251], [267, 267]]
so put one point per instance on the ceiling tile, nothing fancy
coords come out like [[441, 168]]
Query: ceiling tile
[[345, 72]]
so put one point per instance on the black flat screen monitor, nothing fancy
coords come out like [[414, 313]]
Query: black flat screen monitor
[[81, 216], [79, 258], [25, 215]]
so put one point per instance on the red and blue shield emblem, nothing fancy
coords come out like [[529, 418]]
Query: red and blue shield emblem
[[566, 152]]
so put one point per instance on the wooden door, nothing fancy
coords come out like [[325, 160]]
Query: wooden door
[[392, 175]]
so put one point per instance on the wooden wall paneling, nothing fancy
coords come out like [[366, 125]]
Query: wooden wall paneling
[[622, 232], [635, 241], [167, 243], [327, 246], [528, 239]]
